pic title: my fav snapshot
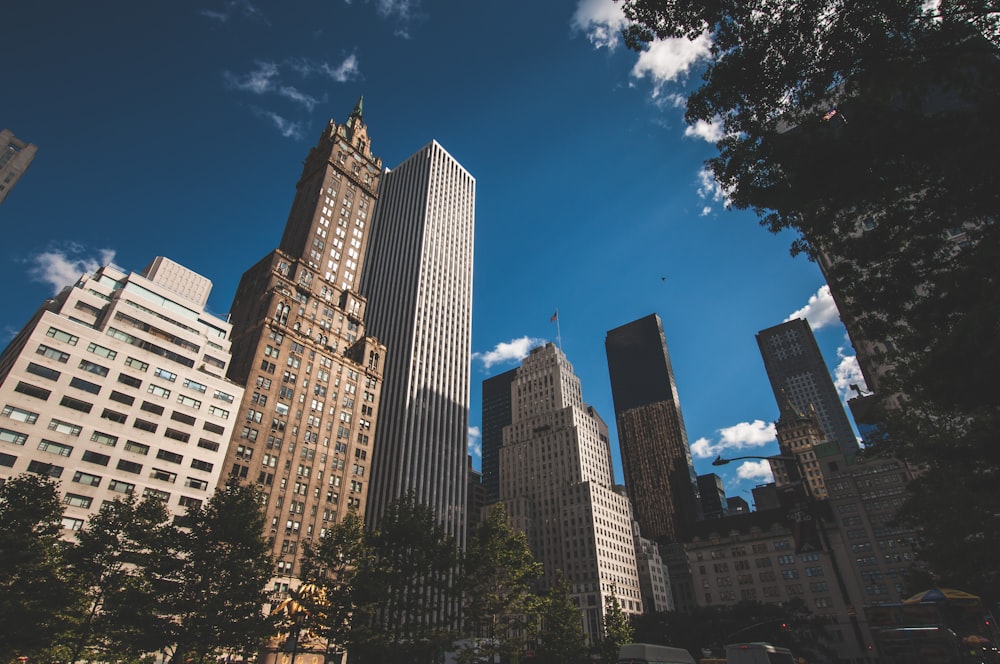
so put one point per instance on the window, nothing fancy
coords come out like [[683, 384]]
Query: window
[[193, 483], [69, 523], [198, 464], [114, 416], [42, 468], [177, 435], [172, 457], [65, 337], [104, 438], [93, 368], [181, 417], [138, 365], [163, 475], [129, 380], [195, 385], [138, 448], [20, 415], [144, 425], [76, 500], [121, 487], [188, 401], [169, 376], [76, 404], [158, 391], [218, 412], [52, 353], [190, 503], [223, 396], [11, 436], [86, 479], [150, 492], [32, 390], [151, 408], [43, 371], [95, 458], [120, 397], [7, 459], [204, 443], [102, 351], [85, 385], [213, 428], [55, 448], [129, 466]]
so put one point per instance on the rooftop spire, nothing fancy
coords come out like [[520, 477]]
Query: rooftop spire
[[357, 112]]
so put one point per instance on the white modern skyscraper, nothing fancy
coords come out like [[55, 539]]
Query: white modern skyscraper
[[417, 278], [556, 482]]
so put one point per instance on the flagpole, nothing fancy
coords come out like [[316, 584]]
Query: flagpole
[[558, 331]]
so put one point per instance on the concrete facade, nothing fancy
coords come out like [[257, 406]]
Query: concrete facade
[[15, 158], [117, 386], [557, 484], [418, 281]]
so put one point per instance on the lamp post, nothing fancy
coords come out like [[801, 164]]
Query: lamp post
[[799, 516]]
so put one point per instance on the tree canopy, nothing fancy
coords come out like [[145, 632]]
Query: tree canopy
[[869, 130]]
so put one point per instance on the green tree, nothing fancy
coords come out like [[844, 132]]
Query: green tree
[[119, 555], [219, 583], [617, 629], [500, 572], [561, 639], [863, 130], [407, 594], [331, 568], [35, 593]]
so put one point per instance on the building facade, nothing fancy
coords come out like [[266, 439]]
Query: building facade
[[418, 281], [557, 485], [496, 403], [15, 157], [117, 386], [305, 426], [798, 374], [656, 458]]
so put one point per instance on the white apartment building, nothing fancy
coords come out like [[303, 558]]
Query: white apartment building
[[117, 386], [556, 481]]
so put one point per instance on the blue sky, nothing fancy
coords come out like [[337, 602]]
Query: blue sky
[[179, 129]]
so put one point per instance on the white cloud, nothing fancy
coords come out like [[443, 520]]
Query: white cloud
[[710, 190], [475, 441], [848, 373], [345, 71], [669, 60], [601, 21], [61, 268], [266, 79], [287, 128], [231, 8], [736, 438], [820, 310], [759, 471], [505, 351], [707, 131]]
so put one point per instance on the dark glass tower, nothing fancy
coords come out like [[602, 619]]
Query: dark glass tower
[[656, 458], [496, 415]]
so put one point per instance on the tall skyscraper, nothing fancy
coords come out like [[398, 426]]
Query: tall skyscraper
[[496, 403], [557, 485], [306, 422], [418, 281], [15, 157], [656, 458], [116, 386], [797, 372]]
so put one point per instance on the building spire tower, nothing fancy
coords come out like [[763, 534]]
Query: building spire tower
[[306, 422]]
